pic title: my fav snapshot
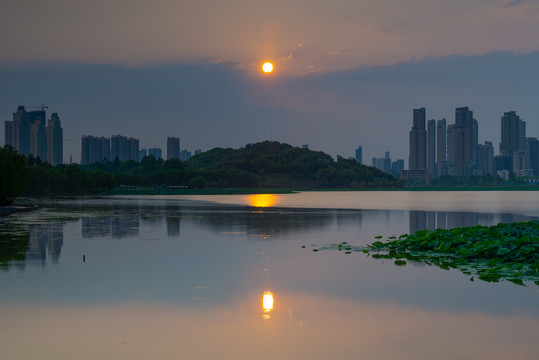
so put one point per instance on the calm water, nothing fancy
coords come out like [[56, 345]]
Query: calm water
[[185, 277]]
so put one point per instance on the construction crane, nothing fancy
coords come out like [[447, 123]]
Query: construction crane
[[42, 107]]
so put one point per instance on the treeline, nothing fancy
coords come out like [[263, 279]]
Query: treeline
[[266, 164], [485, 180]]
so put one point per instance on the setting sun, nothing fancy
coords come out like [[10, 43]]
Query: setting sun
[[267, 67]]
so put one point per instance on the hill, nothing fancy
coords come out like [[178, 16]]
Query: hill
[[273, 164]]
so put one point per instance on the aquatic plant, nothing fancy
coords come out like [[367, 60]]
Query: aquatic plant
[[492, 253]]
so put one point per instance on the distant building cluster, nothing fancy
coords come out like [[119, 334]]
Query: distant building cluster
[[385, 164], [30, 133], [438, 149], [95, 149]]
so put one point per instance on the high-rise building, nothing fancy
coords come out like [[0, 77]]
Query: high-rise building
[[124, 148], [141, 154], [451, 130], [359, 154], [38, 136], [185, 155], [173, 148], [485, 155], [466, 141], [441, 145], [519, 163], [418, 141], [17, 133], [156, 152], [55, 140], [379, 163], [513, 134], [28, 134], [532, 155], [387, 162], [431, 147], [95, 149], [396, 167]]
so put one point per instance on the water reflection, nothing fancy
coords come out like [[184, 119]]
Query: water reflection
[[45, 243], [116, 226], [267, 304], [319, 327], [123, 220], [263, 200], [431, 220], [36, 243]]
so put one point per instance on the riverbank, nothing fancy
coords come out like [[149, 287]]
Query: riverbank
[[247, 191], [8, 210]]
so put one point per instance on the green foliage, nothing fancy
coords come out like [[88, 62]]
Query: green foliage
[[486, 180], [14, 240], [262, 165], [45, 179], [13, 174], [501, 252], [198, 182], [281, 165]]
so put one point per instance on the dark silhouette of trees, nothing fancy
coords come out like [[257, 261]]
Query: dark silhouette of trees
[[13, 174]]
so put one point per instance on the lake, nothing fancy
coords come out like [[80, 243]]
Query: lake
[[235, 277]]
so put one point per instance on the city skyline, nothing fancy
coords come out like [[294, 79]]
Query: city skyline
[[345, 72]]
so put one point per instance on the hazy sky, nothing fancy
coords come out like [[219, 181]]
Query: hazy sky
[[346, 72]]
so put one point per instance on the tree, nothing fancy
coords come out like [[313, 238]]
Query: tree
[[13, 174], [198, 182]]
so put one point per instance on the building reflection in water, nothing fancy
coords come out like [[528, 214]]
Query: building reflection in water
[[173, 225], [45, 242], [115, 226], [431, 220], [267, 305]]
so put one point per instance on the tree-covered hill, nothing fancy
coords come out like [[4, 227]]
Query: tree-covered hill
[[262, 165], [280, 165]]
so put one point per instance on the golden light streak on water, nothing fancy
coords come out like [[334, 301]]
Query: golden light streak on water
[[267, 304], [263, 200]]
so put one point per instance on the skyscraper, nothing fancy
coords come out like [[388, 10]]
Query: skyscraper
[[441, 145], [431, 147], [451, 130], [55, 140], [156, 152], [173, 148], [17, 132], [38, 136], [532, 155], [28, 134], [418, 141], [513, 133], [95, 149], [466, 141], [124, 148], [485, 158], [359, 154]]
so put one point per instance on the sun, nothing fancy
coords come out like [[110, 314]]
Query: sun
[[267, 67]]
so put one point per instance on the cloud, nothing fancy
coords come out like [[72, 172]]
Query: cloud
[[218, 104], [218, 61], [286, 58], [512, 3], [340, 52]]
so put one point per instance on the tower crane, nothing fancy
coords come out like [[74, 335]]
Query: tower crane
[[42, 107]]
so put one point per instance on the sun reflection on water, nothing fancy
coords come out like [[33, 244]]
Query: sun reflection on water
[[263, 200], [267, 304]]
